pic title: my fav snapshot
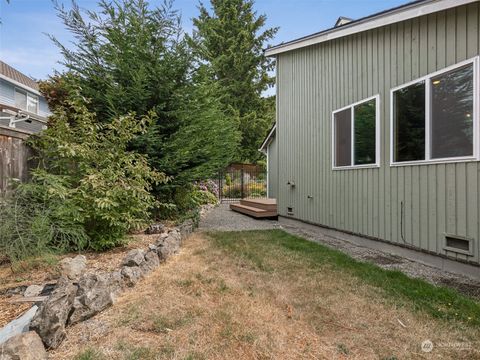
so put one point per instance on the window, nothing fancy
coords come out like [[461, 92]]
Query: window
[[434, 118], [20, 99], [26, 101], [356, 135]]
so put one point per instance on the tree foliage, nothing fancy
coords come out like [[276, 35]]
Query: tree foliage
[[130, 57], [229, 39], [102, 186]]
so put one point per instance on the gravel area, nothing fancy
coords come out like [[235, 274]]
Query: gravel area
[[222, 218]]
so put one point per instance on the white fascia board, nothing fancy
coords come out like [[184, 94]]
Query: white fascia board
[[384, 19], [267, 139], [18, 84]]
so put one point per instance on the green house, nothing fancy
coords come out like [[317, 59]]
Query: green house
[[377, 131]]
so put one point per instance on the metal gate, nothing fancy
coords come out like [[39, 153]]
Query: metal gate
[[241, 181]]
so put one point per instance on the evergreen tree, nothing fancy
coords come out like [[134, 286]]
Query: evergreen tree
[[130, 57], [229, 39]]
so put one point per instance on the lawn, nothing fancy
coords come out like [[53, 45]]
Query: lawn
[[270, 295]]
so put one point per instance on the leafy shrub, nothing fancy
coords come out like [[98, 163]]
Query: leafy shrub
[[88, 190]]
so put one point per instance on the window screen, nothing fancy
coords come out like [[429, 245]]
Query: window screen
[[365, 135], [343, 138], [409, 123], [452, 114], [20, 100]]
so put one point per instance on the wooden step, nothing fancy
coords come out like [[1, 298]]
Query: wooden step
[[264, 204], [253, 211]]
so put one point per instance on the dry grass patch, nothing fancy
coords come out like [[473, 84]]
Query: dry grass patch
[[259, 300]]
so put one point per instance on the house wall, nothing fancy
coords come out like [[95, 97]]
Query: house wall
[[273, 168], [7, 97], [314, 81]]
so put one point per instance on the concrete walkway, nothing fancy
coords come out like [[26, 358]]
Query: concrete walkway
[[222, 218]]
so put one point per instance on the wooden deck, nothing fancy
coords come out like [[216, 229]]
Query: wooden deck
[[257, 208]]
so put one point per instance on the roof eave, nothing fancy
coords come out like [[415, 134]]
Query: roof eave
[[406, 12], [263, 147]]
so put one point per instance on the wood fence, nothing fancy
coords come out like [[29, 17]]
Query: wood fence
[[14, 157]]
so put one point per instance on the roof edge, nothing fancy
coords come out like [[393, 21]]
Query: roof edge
[[268, 138], [401, 13]]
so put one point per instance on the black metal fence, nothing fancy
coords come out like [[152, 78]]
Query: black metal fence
[[241, 181]]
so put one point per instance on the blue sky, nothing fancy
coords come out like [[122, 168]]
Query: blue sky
[[24, 45]]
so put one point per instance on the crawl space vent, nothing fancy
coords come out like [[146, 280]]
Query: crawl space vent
[[457, 244], [289, 210]]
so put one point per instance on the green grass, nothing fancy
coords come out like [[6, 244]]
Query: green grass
[[263, 249]]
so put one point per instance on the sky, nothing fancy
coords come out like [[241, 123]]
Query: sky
[[25, 23]]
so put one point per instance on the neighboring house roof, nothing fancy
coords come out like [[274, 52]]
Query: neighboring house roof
[[268, 139], [8, 72], [401, 13]]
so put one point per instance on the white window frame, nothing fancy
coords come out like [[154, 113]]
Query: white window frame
[[428, 116], [29, 95], [352, 119]]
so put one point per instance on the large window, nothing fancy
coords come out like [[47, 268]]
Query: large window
[[26, 101], [356, 135], [434, 118]]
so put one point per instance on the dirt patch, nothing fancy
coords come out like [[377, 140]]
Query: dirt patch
[[207, 304]]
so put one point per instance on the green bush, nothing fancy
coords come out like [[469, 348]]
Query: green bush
[[88, 190]]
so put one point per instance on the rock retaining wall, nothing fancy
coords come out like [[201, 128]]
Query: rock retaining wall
[[78, 296]]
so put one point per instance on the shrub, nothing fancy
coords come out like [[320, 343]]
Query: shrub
[[254, 189], [88, 190]]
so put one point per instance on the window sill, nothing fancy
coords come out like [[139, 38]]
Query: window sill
[[434, 162], [357, 167]]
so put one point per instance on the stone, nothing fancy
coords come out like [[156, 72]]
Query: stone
[[50, 320], [73, 268], [170, 245], [186, 228], [26, 346], [95, 293], [155, 229], [151, 261], [19, 325], [134, 257], [131, 275], [33, 290]]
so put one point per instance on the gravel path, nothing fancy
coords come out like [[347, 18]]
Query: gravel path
[[222, 218]]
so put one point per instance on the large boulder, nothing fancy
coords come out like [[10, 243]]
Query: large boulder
[[50, 320], [131, 275], [26, 346], [95, 293], [73, 268], [135, 257]]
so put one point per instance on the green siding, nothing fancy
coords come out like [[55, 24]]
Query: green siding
[[273, 168], [314, 81]]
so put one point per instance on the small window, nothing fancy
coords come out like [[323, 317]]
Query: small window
[[32, 104], [434, 118], [21, 100], [355, 135]]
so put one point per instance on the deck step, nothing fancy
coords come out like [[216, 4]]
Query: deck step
[[265, 204], [253, 211]]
